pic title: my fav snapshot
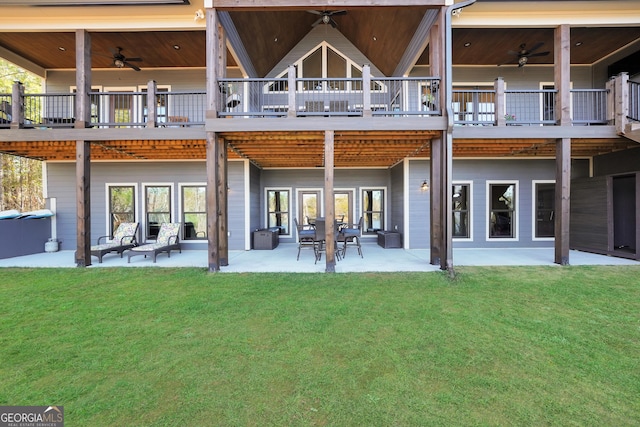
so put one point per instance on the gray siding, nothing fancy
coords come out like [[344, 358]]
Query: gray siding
[[61, 186], [478, 172]]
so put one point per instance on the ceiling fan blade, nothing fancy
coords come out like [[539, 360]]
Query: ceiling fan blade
[[316, 12], [333, 23], [513, 52], [538, 54], [317, 22], [135, 67], [338, 13], [134, 59], [534, 48]]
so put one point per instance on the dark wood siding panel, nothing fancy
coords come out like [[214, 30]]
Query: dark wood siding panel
[[589, 216]]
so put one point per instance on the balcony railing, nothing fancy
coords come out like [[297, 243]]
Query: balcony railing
[[303, 97], [295, 97]]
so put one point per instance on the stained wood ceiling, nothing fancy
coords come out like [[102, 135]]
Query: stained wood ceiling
[[281, 150], [382, 34]]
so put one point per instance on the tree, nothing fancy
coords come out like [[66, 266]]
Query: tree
[[20, 178]]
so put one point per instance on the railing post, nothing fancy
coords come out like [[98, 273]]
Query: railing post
[[611, 102], [366, 91], [621, 102], [500, 102], [151, 104], [291, 79], [17, 105]]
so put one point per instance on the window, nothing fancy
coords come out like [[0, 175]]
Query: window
[[157, 208], [308, 206], [544, 202], [278, 210], [121, 205], [343, 205], [373, 210], [194, 212], [502, 210], [461, 206]]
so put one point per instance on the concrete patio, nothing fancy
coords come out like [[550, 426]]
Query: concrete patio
[[283, 259]]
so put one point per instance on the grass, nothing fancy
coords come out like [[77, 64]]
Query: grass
[[165, 347]]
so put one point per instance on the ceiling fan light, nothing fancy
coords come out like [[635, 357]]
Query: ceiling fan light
[[326, 19], [522, 61], [118, 63]]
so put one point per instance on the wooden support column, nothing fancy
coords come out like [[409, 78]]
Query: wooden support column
[[213, 228], [152, 111], [435, 200], [498, 85], [366, 91], [329, 208], [562, 200], [213, 54], [223, 235], [562, 74], [83, 203], [223, 222], [17, 105], [291, 99], [83, 80], [446, 259]]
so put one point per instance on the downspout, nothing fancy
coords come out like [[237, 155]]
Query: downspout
[[448, 102]]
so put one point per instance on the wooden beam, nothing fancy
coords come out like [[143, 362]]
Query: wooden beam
[[83, 203], [418, 44], [212, 202], [316, 4], [562, 200], [329, 203], [238, 50]]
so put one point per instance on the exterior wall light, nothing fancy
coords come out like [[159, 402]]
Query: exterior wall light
[[424, 186]]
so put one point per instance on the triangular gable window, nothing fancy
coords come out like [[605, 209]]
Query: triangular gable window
[[323, 62]]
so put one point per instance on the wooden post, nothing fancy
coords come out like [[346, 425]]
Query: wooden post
[[435, 200], [499, 109], [562, 74], [291, 80], [621, 102], [366, 91], [212, 202], [152, 119], [213, 89], [223, 235], [17, 105], [329, 202], [83, 203], [223, 213], [83, 80], [562, 200]]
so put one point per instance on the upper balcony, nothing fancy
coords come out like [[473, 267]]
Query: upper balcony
[[292, 98]]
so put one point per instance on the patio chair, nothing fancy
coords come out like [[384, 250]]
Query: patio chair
[[167, 241], [351, 233], [320, 241], [306, 236], [124, 238]]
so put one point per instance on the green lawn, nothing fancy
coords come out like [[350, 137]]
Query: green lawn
[[520, 346]]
